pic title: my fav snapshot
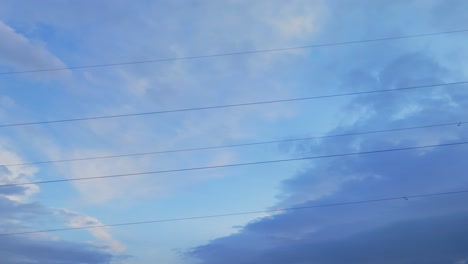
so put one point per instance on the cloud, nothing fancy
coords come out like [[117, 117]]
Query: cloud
[[390, 232], [185, 32], [12, 191], [75, 219], [21, 250], [237, 26], [40, 248], [18, 214], [437, 239], [14, 213], [15, 174], [22, 54], [168, 85], [415, 231]]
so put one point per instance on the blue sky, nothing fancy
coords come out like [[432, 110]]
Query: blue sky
[[56, 34]]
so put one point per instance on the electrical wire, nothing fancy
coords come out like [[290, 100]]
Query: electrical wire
[[406, 198], [234, 145], [232, 105], [235, 53], [232, 165]]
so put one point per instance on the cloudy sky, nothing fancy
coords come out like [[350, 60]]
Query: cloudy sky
[[51, 34]]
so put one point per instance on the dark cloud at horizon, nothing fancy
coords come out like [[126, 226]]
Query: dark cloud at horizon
[[436, 239], [327, 235], [20, 249], [426, 230]]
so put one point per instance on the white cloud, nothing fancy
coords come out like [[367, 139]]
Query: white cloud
[[75, 220], [297, 19], [131, 189]]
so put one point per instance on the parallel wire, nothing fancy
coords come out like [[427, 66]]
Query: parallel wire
[[239, 164], [235, 145], [240, 213], [235, 53], [233, 165], [233, 105]]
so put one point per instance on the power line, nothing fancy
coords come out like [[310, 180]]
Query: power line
[[233, 105], [233, 165], [235, 145], [235, 53], [405, 198]]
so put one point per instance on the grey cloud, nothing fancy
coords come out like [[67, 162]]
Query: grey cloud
[[10, 190], [430, 230], [20, 250], [438, 240], [382, 174], [390, 232], [11, 210], [13, 190], [434, 106], [19, 52]]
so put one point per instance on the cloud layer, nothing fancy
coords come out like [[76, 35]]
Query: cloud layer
[[414, 231], [55, 34]]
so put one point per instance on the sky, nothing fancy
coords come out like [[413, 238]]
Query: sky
[[50, 34]]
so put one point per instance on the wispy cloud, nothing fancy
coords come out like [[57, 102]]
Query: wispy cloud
[[24, 54], [75, 219]]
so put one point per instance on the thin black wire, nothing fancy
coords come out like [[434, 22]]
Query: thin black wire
[[235, 53], [233, 105], [233, 165], [234, 145], [407, 197]]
